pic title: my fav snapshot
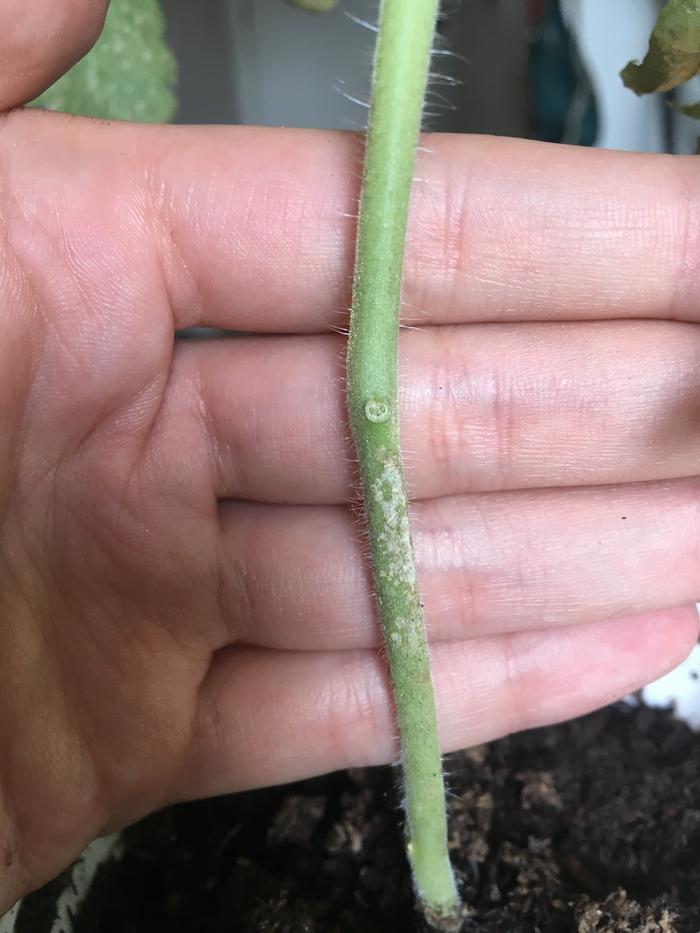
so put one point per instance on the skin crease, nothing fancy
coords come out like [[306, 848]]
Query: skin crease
[[183, 592]]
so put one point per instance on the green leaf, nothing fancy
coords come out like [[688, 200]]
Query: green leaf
[[691, 110], [315, 6], [674, 50], [129, 74]]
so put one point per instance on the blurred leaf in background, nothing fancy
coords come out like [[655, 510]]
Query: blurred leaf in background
[[315, 6], [130, 74], [674, 50]]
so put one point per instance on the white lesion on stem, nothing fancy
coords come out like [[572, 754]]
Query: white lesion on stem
[[393, 539]]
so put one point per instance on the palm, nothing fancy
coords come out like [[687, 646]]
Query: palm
[[184, 597], [109, 553]]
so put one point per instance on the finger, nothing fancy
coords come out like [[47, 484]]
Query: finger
[[500, 230], [483, 407], [267, 717], [40, 40], [297, 578], [252, 229]]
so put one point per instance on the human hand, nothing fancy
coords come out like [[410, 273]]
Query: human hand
[[185, 601]]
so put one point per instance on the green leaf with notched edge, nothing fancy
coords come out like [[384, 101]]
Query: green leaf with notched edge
[[129, 74], [674, 50], [315, 6]]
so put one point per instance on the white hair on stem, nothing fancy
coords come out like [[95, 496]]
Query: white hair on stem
[[436, 99], [449, 53], [443, 79], [373, 27], [350, 97]]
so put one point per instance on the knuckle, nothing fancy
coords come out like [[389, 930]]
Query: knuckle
[[679, 239], [472, 423], [448, 434]]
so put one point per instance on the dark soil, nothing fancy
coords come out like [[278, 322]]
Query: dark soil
[[588, 827]]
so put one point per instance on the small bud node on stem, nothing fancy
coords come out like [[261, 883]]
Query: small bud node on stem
[[377, 411]]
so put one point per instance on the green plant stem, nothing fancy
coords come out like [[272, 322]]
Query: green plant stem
[[402, 58]]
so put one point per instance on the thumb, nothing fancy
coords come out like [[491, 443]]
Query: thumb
[[42, 39]]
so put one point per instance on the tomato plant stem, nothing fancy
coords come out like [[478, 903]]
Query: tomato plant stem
[[402, 58]]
